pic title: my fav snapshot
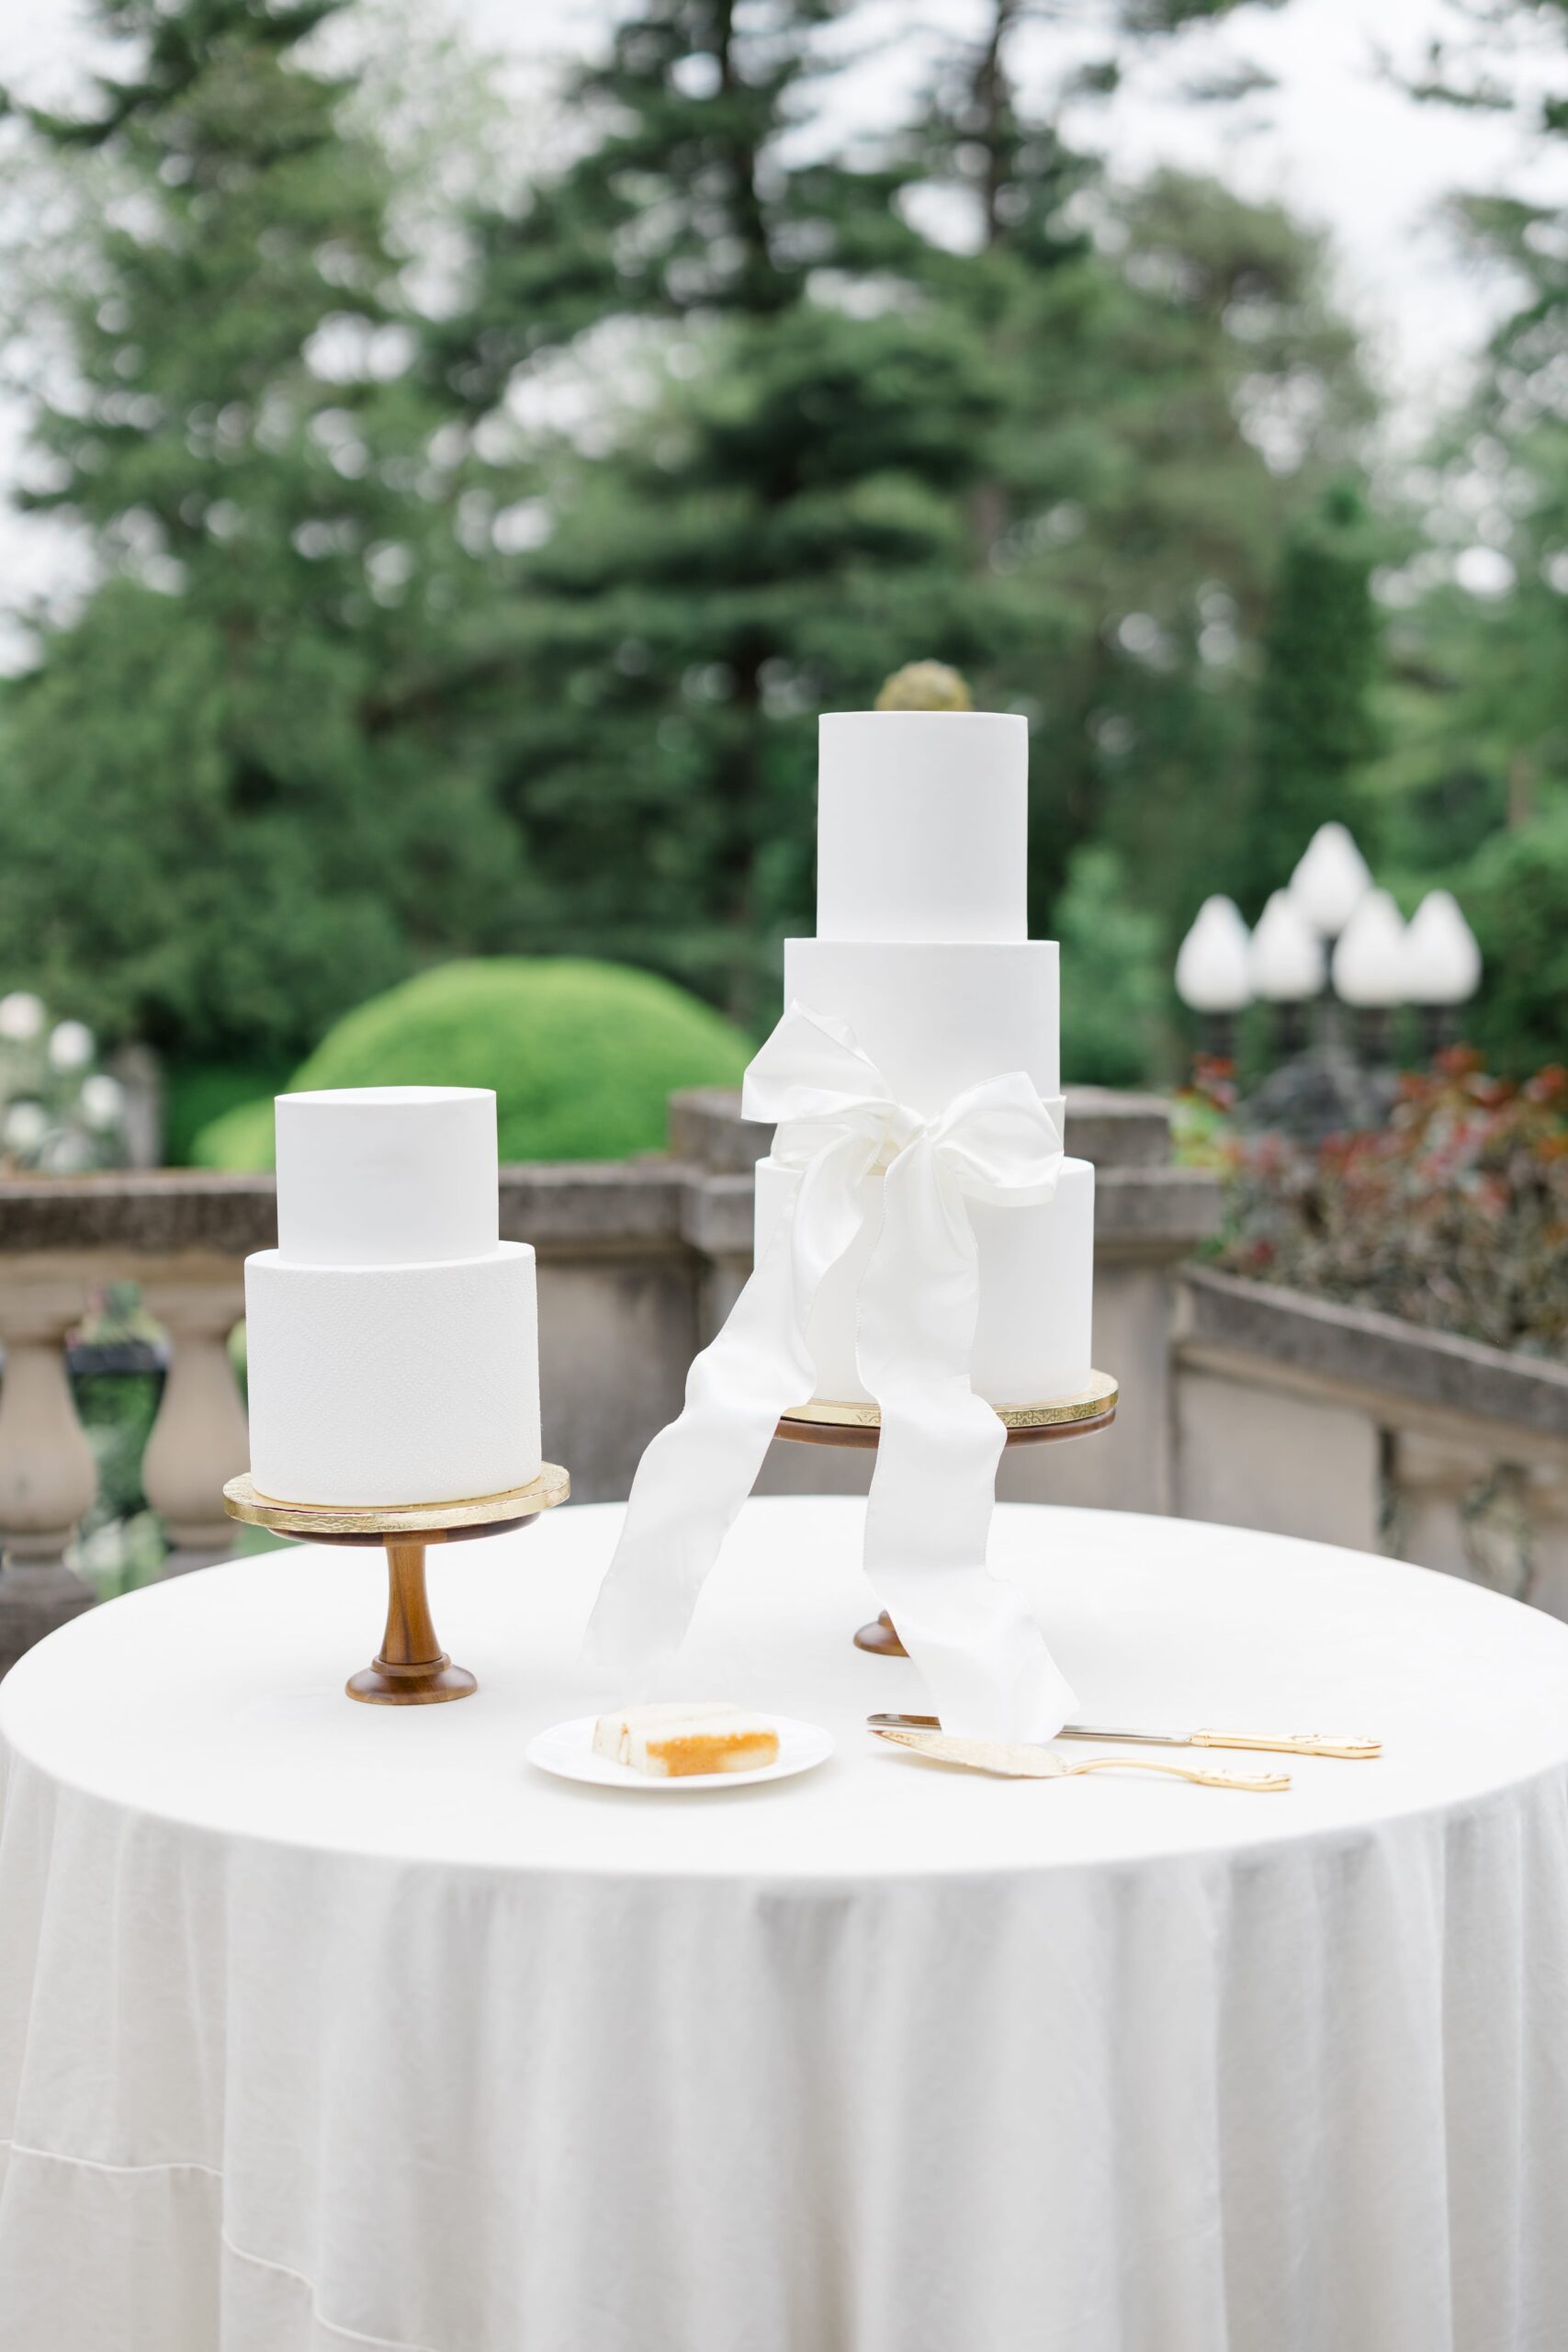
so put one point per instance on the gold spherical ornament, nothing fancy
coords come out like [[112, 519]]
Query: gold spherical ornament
[[925, 685]]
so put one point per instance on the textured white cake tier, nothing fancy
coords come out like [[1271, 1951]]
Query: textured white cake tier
[[387, 1175], [922, 825], [936, 1019], [1033, 1337], [381, 1385]]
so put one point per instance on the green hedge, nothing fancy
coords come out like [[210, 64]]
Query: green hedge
[[198, 1096], [582, 1056], [1514, 894]]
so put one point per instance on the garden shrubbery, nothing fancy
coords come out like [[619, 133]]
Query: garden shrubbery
[[582, 1056], [1454, 1215]]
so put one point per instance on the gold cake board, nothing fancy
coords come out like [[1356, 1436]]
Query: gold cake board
[[410, 1669], [824, 1422]]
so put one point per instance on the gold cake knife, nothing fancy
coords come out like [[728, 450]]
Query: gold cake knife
[[1033, 1763], [1300, 1743]]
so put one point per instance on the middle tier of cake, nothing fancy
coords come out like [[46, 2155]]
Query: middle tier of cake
[[938, 1018]]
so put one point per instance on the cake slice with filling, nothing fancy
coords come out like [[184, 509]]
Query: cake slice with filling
[[673, 1739]]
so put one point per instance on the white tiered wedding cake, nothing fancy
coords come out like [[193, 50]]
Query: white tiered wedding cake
[[922, 949], [392, 1337]]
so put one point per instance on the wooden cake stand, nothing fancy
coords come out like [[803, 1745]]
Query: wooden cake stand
[[821, 1423], [410, 1669]]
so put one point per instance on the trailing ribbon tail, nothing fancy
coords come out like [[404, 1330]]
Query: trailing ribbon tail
[[983, 1657], [836, 1119], [980, 1652]]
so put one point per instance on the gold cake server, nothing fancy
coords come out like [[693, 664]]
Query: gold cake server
[[1298, 1743], [1030, 1763]]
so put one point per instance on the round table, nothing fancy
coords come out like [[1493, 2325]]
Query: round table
[[326, 2026]]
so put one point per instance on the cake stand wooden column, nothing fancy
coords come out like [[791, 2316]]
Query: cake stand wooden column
[[410, 1669], [859, 1426]]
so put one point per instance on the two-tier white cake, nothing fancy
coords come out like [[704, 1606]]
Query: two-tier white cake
[[392, 1337], [922, 947]]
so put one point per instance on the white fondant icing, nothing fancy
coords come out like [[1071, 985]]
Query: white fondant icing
[[383, 1385], [1034, 1335], [387, 1175], [936, 1019], [922, 822]]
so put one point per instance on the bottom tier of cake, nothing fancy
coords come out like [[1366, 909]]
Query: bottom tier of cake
[[373, 1385], [1033, 1331]]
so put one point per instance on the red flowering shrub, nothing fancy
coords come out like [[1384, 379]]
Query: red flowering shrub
[[1454, 1215]]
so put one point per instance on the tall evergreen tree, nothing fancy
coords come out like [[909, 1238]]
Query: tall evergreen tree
[[1173, 389], [858, 445], [778, 523], [1315, 731], [217, 829]]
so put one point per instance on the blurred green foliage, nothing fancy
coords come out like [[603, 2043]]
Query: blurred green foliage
[[434, 623], [213, 839], [1059, 460], [1517, 896], [1114, 978], [498, 622], [200, 1094], [582, 1057], [1316, 727], [239, 1140]]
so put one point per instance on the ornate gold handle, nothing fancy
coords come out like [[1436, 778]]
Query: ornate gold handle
[[1264, 1783], [1302, 1743]]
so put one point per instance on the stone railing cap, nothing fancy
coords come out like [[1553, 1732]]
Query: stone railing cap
[[1364, 1348], [165, 1213], [1115, 1130]]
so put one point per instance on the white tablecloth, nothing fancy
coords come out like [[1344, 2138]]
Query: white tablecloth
[[323, 2025]]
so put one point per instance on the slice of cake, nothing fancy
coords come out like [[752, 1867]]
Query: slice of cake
[[673, 1739], [612, 1732]]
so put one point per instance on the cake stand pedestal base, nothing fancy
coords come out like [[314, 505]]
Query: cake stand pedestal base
[[881, 1637], [410, 1669], [824, 1423]]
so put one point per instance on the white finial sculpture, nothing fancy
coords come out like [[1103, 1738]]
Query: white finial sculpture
[[1442, 962], [1212, 973], [1286, 959], [1330, 881], [1371, 960]]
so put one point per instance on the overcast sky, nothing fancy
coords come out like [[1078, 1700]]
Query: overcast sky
[[1336, 139]]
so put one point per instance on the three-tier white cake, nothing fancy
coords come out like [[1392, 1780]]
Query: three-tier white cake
[[922, 947], [392, 1337]]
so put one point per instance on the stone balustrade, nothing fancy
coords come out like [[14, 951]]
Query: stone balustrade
[[1309, 1419], [1240, 1403], [637, 1266]]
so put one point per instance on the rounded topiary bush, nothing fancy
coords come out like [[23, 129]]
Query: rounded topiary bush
[[238, 1139], [582, 1056]]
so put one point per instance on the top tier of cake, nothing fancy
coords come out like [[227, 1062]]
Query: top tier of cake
[[387, 1176], [922, 825]]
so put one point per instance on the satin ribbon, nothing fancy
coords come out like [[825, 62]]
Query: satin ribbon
[[982, 1654]]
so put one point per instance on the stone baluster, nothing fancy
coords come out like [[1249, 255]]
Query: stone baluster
[[1432, 1478], [1458, 1508], [200, 1439], [48, 1475], [1548, 1494]]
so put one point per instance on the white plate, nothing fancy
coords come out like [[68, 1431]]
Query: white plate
[[567, 1751]]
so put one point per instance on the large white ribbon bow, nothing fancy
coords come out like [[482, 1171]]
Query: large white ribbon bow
[[982, 1654]]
